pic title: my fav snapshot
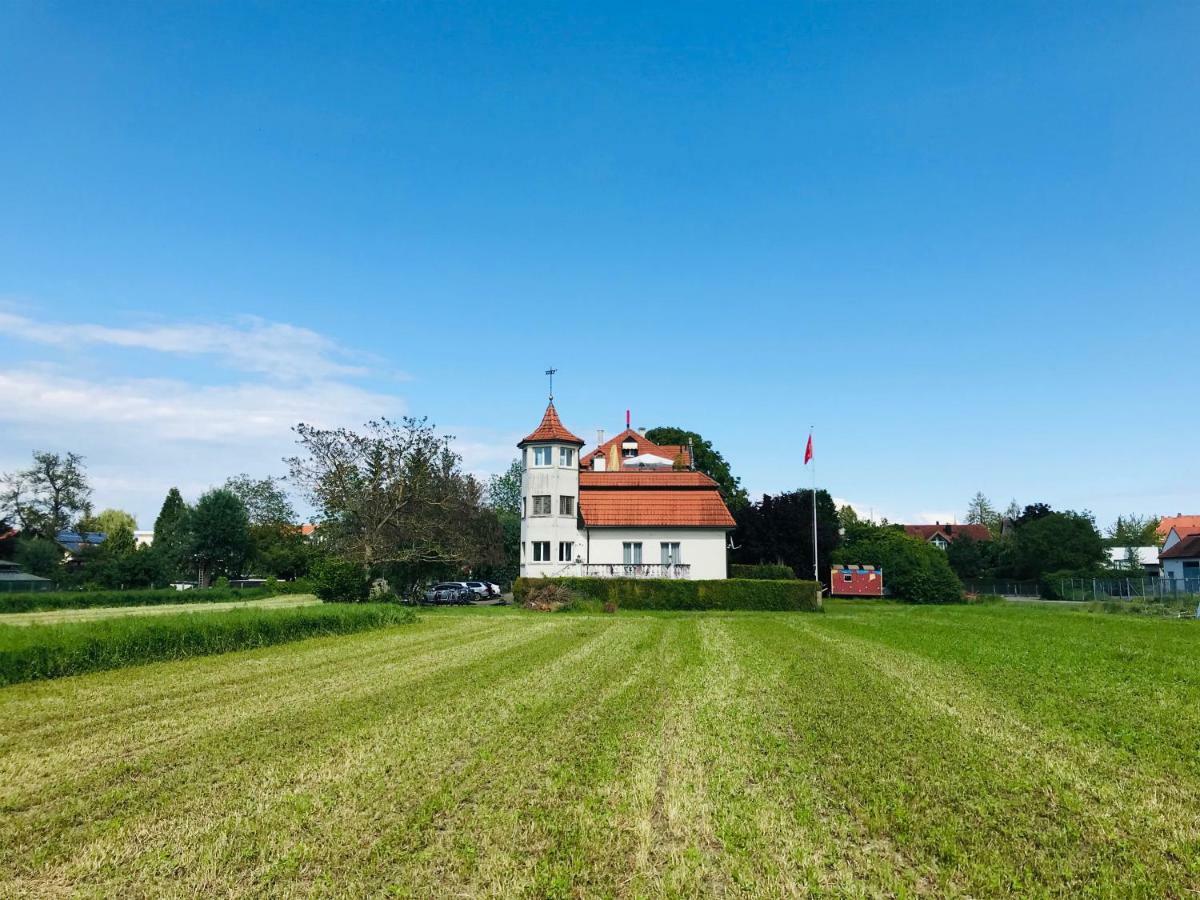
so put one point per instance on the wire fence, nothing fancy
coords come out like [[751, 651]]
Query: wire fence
[[1004, 588], [1175, 590]]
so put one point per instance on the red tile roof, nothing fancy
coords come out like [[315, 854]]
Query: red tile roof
[[1183, 525], [647, 478], [1188, 548], [667, 451], [551, 429], [949, 532], [680, 508]]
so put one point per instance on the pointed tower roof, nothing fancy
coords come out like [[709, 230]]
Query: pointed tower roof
[[551, 429]]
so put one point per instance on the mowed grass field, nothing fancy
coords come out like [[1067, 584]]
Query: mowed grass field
[[872, 750]]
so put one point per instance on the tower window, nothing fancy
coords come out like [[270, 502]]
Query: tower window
[[541, 504], [566, 457], [566, 505], [541, 551], [564, 551], [543, 456]]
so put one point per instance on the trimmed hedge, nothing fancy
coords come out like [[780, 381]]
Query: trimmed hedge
[[666, 593], [51, 600], [51, 651], [762, 572]]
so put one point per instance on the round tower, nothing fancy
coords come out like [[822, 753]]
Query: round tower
[[550, 536]]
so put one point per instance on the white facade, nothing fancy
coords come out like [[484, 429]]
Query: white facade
[[549, 509], [700, 553]]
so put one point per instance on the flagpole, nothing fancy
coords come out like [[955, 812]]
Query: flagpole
[[816, 574]]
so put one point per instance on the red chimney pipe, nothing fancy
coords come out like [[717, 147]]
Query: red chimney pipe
[[626, 420]]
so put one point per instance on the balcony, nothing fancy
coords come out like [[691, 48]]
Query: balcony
[[635, 570]]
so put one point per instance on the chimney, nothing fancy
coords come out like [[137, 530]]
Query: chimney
[[626, 420], [599, 436]]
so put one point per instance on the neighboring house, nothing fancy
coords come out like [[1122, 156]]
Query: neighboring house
[[941, 535], [1181, 563], [1183, 525], [12, 579], [617, 511], [73, 542], [1147, 558], [1174, 535], [143, 538]]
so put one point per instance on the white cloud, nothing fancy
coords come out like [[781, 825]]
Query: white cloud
[[248, 344]]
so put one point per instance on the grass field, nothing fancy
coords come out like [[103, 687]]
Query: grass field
[[872, 750], [62, 616]]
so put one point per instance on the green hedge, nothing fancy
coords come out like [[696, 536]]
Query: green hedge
[[38, 602], [664, 593], [762, 572], [50, 651]]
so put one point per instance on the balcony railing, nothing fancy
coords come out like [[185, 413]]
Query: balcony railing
[[635, 570]]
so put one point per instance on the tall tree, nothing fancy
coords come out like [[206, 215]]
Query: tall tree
[[707, 459], [266, 501], [108, 521], [392, 497], [172, 536], [220, 535], [1134, 531], [52, 495], [778, 529], [981, 512], [504, 491], [503, 496], [8, 539]]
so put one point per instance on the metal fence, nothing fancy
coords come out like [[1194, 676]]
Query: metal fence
[[1001, 587], [1182, 590]]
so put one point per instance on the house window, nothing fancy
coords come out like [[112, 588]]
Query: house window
[[566, 505], [629, 449], [670, 553], [543, 456], [566, 457], [541, 504], [524, 504], [939, 542], [541, 551], [565, 549], [848, 578], [633, 553]]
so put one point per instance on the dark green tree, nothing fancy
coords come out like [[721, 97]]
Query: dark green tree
[[220, 535], [971, 559], [778, 529], [1054, 542], [503, 496], [913, 570], [172, 537], [708, 460], [39, 556], [8, 540]]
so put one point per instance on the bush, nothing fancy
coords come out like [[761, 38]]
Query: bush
[[662, 593], [339, 581], [39, 602], [912, 569], [548, 597], [51, 651], [762, 572]]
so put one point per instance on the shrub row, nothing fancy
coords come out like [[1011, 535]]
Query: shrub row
[[37, 602], [665, 593], [51, 651], [762, 572]]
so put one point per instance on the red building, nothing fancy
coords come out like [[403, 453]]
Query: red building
[[856, 581]]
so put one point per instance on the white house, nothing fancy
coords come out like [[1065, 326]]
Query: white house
[[628, 508], [1180, 558]]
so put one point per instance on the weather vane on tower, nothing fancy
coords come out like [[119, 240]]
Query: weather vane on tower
[[551, 372]]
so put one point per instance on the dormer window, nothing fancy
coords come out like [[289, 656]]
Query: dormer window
[[629, 449], [543, 456]]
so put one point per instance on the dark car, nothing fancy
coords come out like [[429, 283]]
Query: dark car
[[449, 592]]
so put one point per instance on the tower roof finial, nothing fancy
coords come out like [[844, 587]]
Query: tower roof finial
[[550, 371]]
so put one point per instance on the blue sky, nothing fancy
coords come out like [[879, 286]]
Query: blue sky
[[961, 240]]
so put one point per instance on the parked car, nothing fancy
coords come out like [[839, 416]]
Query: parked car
[[484, 589], [449, 592]]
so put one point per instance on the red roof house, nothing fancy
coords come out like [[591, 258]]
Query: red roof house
[[942, 535]]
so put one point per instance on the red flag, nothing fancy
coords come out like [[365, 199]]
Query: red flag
[[808, 451]]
